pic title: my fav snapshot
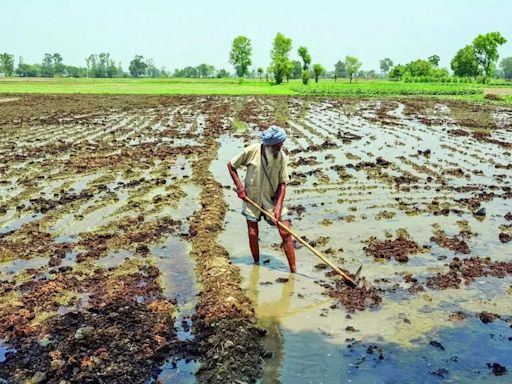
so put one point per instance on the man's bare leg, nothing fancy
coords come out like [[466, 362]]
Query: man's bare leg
[[252, 229], [288, 246]]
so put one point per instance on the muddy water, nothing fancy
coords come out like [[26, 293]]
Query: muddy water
[[313, 343]]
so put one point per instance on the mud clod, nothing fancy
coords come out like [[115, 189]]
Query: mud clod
[[400, 249]]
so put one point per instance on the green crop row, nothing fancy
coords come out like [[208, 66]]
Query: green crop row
[[388, 89]]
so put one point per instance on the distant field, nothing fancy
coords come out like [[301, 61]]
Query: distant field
[[172, 86]]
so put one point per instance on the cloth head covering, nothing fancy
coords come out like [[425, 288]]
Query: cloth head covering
[[273, 135]]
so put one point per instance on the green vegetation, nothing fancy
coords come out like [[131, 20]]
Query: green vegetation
[[281, 64], [506, 67], [240, 55], [318, 70], [486, 51], [229, 86], [388, 88], [352, 66], [385, 65]]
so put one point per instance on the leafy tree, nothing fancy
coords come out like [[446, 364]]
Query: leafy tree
[[58, 67], [419, 68], [306, 75], [151, 69], [318, 70], [385, 65], [465, 62], [434, 60], [486, 50], [397, 72], [506, 67], [137, 66], [47, 65], [260, 72], [103, 63], [28, 70], [240, 55], [205, 70], [92, 66], [288, 71], [7, 63], [280, 63], [113, 70], [72, 71], [352, 66], [306, 57], [222, 73], [21, 69], [339, 70], [297, 69]]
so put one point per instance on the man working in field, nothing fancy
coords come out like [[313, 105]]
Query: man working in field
[[265, 183]]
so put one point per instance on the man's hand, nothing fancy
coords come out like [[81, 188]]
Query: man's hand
[[241, 193]]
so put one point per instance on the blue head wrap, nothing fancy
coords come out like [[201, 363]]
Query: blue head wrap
[[273, 135]]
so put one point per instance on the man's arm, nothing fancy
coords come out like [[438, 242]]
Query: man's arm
[[240, 190], [278, 207]]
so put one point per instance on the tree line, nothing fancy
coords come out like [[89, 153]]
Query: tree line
[[475, 62]]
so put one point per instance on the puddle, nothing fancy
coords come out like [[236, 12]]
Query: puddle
[[13, 267], [19, 222], [178, 372], [178, 278], [115, 259]]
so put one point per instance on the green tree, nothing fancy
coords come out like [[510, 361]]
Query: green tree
[[297, 69], [240, 55], [434, 60], [306, 57], [137, 66], [260, 72], [465, 62], [318, 70], [222, 73], [397, 72], [306, 75], [280, 63], [352, 66], [205, 70], [339, 70], [419, 68], [113, 70], [7, 64], [58, 67], [47, 65], [385, 65], [486, 50], [506, 67], [92, 65]]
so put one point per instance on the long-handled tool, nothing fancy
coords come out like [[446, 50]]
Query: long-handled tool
[[350, 281]]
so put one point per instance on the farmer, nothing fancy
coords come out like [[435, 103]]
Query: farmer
[[265, 184]]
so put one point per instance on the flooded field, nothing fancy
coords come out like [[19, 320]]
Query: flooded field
[[124, 256]]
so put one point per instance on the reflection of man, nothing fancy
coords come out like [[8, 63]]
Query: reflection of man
[[269, 317], [265, 183]]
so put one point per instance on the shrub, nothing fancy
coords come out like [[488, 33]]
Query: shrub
[[305, 77]]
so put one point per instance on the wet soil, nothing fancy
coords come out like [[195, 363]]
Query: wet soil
[[91, 184], [467, 270], [400, 249]]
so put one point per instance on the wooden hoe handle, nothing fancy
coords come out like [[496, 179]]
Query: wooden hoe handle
[[346, 277]]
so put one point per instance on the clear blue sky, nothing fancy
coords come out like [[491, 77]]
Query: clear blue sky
[[189, 32]]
